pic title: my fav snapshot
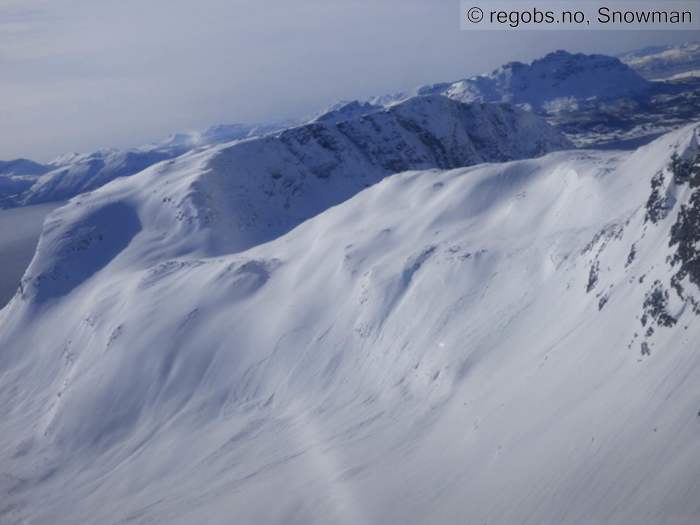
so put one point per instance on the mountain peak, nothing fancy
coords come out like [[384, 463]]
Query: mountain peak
[[556, 76], [557, 80]]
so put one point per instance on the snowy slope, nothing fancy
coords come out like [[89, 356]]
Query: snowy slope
[[664, 62], [506, 343]]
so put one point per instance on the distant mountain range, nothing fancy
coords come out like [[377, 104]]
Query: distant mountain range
[[551, 83], [595, 100], [665, 62], [25, 182]]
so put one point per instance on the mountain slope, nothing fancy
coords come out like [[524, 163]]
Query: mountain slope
[[444, 347]]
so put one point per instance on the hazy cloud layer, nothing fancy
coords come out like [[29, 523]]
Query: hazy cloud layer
[[83, 74]]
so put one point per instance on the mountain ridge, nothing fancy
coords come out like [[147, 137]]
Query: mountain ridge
[[592, 98], [257, 189]]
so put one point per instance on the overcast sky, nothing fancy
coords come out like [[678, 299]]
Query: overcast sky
[[76, 75]]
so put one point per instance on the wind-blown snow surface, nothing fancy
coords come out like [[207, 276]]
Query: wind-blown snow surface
[[457, 346]]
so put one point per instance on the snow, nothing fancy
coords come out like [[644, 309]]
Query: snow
[[348, 110], [597, 100], [557, 80], [17, 176], [210, 343], [685, 74], [75, 173], [665, 62], [19, 167], [19, 233]]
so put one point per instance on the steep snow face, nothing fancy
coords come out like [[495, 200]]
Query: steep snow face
[[507, 343], [19, 233], [558, 81], [665, 62]]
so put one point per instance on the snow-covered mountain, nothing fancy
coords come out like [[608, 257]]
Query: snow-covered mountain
[[250, 333], [18, 175], [559, 80], [85, 172], [596, 100], [75, 173], [593, 99], [665, 62], [19, 167], [462, 134]]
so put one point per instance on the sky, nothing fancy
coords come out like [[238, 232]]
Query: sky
[[77, 75]]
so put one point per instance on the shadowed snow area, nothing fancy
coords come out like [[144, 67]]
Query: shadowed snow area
[[505, 343], [19, 233], [82, 249]]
